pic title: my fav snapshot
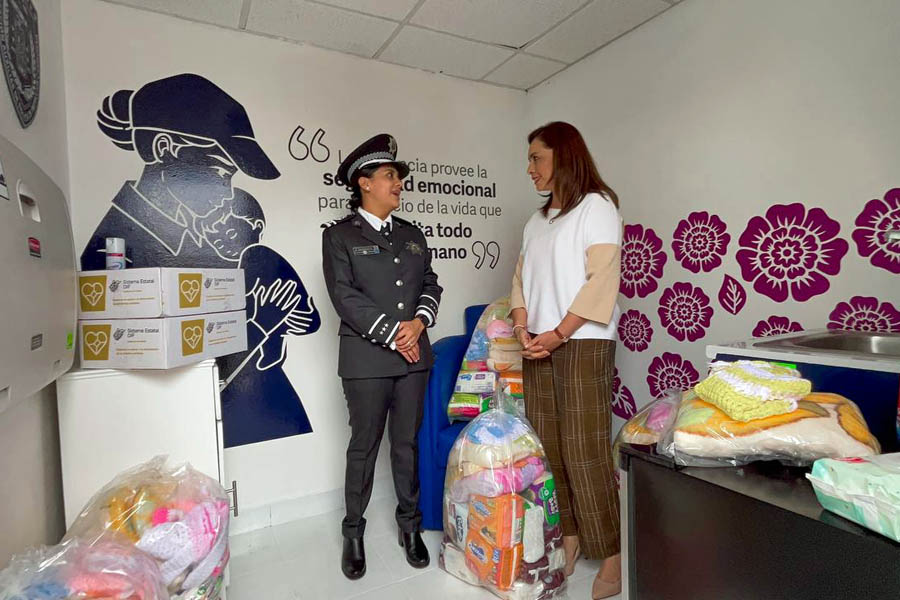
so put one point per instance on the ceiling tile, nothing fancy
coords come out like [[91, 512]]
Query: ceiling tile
[[389, 9], [595, 25], [523, 71], [508, 22], [320, 25], [218, 12], [415, 47]]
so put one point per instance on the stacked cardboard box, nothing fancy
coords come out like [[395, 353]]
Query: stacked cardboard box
[[159, 318]]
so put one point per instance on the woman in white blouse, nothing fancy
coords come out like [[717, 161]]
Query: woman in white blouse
[[564, 312]]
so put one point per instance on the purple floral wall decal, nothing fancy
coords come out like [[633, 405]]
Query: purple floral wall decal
[[876, 218], [776, 325], [670, 371], [863, 313], [791, 252], [635, 330], [700, 242], [623, 400], [642, 261], [685, 311], [732, 295]]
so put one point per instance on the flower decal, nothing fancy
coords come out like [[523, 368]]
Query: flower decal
[[635, 330], [623, 400], [864, 313], [700, 242], [685, 311], [670, 371], [642, 261], [791, 252], [877, 218], [776, 325]]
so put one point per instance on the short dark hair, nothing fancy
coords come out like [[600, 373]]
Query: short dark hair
[[355, 192]]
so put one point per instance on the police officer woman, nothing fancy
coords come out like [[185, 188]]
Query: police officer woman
[[378, 273]]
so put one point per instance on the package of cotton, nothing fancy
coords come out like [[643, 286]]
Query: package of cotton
[[864, 490]]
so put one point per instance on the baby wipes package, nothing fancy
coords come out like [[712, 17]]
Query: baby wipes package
[[159, 292], [864, 490], [161, 343]]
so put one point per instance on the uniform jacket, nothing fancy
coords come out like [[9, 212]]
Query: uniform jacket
[[375, 284]]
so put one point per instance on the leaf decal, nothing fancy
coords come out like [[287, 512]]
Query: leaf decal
[[732, 295]]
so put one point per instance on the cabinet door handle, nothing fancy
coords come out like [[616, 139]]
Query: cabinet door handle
[[233, 490]]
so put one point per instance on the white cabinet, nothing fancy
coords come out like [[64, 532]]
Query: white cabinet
[[111, 420]]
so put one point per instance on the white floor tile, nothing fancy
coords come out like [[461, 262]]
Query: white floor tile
[[394, 557], [395, 591], [436, 584], [586, 568], [319, 571], [296, 538], [273, 581], [252, 550]]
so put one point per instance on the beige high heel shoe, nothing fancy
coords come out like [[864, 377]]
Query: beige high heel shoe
[[608, 581], [573, 556]]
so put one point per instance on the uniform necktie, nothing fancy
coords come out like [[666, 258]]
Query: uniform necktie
[[386, 231]]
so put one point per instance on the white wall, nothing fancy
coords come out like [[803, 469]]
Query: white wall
[[31, 493], [731, 107], [435, 119]]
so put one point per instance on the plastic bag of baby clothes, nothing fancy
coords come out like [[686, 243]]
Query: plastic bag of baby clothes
[[821, 426], [75, 570], [650, 424], [491, 366], [501, 513], [178, 516], [864, 490]]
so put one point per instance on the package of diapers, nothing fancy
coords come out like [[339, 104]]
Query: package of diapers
[[822, 426], [864, 490], [753, 389]]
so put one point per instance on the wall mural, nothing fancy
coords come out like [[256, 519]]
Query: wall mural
[[182, 210], [790, 254]]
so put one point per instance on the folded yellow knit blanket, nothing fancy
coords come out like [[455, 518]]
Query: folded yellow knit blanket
[[747, 390]]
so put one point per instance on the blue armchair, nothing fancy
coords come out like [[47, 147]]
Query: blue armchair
[[437, 434]]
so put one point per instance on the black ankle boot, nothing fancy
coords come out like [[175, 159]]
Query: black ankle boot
[[353, 560], [416, 551]]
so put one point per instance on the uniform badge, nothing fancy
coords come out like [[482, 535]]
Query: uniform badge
[[20, 55], [414, 248], [365, 250]]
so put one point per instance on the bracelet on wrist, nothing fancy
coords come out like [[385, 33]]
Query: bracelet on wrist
[[559, 334]]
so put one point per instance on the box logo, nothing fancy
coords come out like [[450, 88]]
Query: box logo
[[192, 336], [189, 285], [96, 341], [93, 293]]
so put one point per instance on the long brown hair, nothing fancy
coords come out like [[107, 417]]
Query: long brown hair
[[574, 171]]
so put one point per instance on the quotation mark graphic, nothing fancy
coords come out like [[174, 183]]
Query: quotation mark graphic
[[316, 149], [482, 251]]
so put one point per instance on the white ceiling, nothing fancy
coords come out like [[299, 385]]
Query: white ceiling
[[512, 43]]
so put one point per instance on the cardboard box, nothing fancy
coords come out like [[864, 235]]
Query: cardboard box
[[161, 343], [159, 292]]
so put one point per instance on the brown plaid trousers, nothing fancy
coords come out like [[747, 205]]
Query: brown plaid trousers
[[568, 398]]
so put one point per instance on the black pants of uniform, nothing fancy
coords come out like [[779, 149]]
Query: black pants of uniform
[[370, 401]]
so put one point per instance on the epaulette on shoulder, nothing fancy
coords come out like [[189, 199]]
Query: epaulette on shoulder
[[336, 222], [403, 221]]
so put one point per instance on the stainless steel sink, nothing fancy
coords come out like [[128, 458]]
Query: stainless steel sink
[[843, 342]]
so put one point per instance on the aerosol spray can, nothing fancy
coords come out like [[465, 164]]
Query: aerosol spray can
[[115, 253]]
